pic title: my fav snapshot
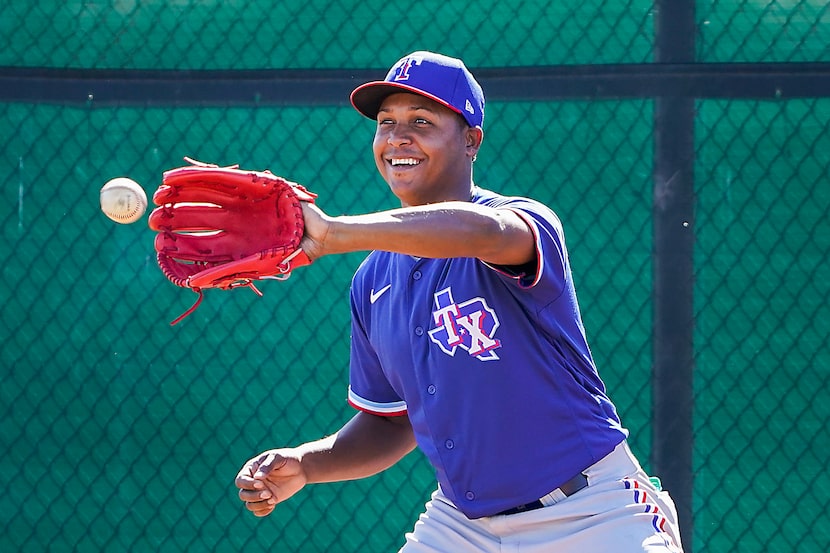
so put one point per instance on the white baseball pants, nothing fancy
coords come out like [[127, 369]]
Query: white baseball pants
[[619, 512]]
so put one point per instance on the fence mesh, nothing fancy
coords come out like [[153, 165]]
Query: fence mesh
[[762, 340], [261, 34], [120, 433]]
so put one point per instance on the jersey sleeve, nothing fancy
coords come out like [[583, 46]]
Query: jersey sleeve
[[550, 269], [369, 389]]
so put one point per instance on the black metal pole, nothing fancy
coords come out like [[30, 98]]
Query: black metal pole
[[674, 232]]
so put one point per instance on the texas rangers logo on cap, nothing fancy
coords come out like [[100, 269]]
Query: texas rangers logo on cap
[[402, 72]]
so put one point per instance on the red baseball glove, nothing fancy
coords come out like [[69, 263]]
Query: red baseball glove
[[224, 227]]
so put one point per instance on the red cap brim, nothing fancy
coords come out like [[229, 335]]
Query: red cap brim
[[368, 97]]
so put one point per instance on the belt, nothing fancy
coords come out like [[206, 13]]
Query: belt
[[578, 482]]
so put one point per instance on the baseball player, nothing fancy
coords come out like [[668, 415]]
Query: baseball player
[[467, 342]]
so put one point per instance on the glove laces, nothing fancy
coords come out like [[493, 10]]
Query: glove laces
[[285, 271]]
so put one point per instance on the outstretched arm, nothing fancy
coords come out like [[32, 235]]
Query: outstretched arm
[[441, 230], [366, 445]]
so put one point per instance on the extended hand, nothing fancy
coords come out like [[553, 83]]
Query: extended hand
[[268, 479]]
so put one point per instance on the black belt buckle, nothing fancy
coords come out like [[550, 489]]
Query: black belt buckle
[[578, 482]]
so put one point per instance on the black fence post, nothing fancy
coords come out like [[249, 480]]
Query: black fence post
[[674, 232]]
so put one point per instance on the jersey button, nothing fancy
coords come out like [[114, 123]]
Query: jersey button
[[470, 496], [416, 275], [419, 331], [431, 389], [449, 444]]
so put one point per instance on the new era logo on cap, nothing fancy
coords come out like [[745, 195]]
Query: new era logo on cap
[[441, 78]]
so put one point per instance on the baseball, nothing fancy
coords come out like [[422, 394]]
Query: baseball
[[123, 200]]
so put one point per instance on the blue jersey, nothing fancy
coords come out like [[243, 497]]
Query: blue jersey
[[490, 364]]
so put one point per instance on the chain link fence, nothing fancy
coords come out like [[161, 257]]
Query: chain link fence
[[121, 433]]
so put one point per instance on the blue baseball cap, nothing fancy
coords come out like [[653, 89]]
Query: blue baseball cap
[[440, 78]]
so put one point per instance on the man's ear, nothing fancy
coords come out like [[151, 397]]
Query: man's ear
[[474, 136]]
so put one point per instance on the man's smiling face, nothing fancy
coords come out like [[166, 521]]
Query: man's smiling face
[[422, 148]]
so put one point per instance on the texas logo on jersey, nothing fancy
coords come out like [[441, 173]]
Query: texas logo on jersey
[[470, 325]]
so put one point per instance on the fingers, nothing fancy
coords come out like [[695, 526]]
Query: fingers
[[264, 512], [270, 461], [253, 492], [259, 502], [260, 508], [252, 496], [245, 478], [259, 497], [260, 465], [248, 482]]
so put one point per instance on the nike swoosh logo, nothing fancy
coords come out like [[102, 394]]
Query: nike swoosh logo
[[374, 296]]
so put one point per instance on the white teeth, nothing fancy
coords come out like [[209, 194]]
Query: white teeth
[[404, 161]]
